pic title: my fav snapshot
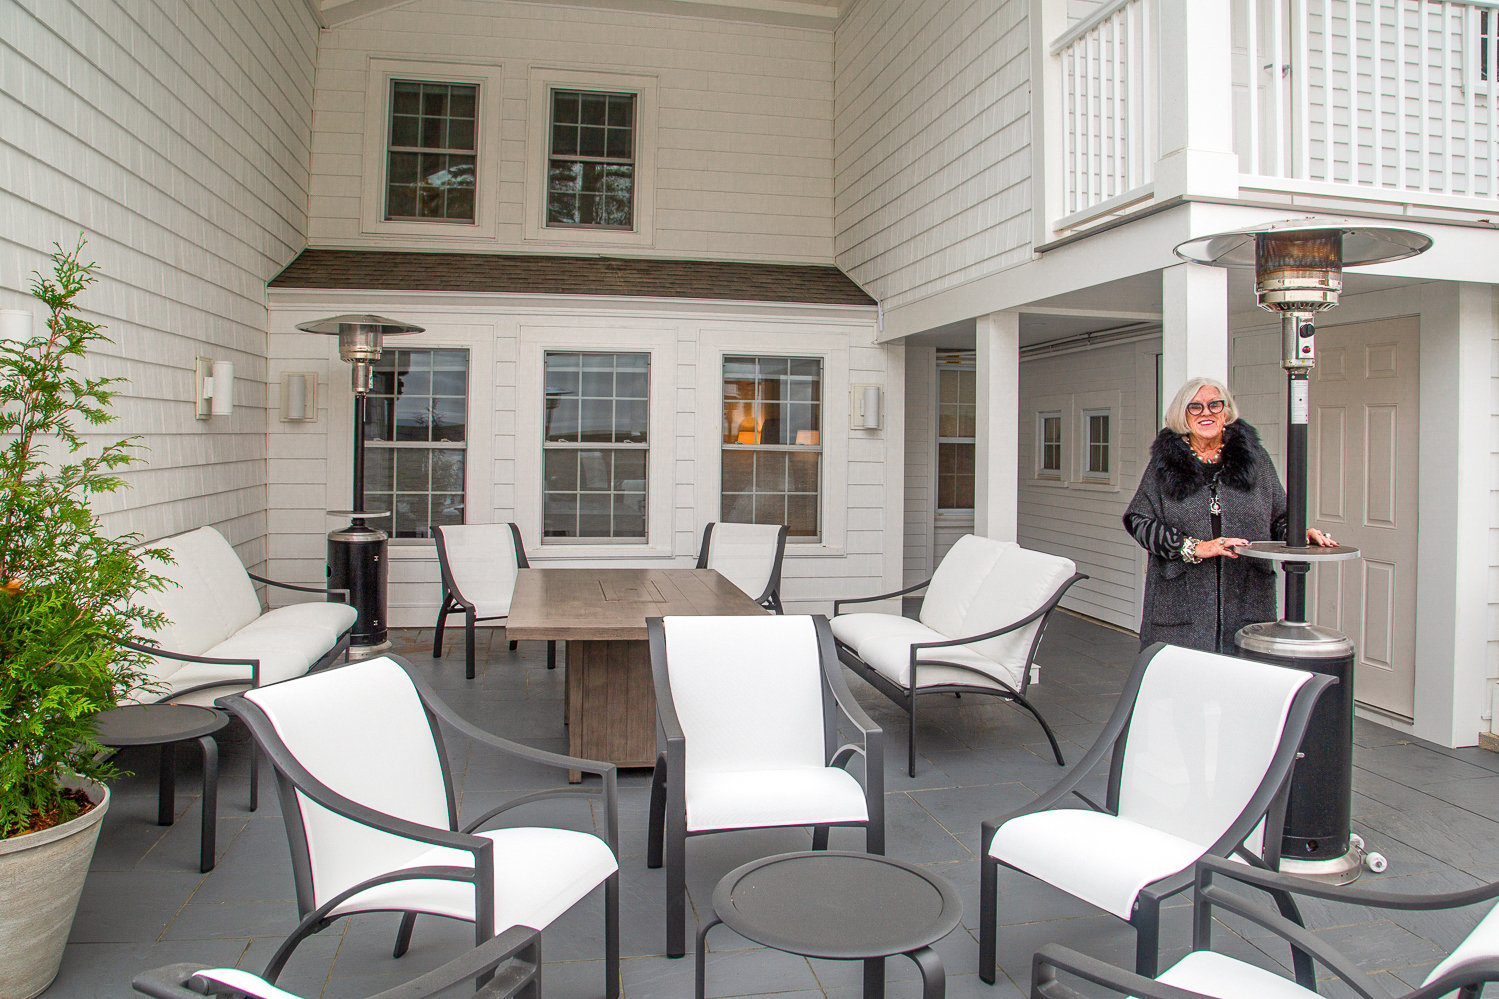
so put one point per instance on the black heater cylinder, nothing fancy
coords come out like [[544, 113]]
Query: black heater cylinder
[[357, 563]]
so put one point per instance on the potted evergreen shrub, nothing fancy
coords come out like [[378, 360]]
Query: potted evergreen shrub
[[68, 594]]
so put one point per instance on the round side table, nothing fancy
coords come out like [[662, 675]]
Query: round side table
[[167, 725], [842, 906]]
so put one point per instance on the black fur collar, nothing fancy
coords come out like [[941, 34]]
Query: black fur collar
[[1180, 473]]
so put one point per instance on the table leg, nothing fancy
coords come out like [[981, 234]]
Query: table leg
[[700, 973], [166, 786], [874, 978], [207, 840], [933, 975]]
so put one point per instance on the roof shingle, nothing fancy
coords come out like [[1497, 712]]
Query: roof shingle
[[540, 274]]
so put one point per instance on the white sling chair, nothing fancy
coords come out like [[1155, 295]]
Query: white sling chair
[[371, 816], [478, 563], [1209, 974], [747, 555], [747, 735], [1202, 747]]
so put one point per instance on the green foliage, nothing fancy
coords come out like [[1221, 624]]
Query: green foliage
[[67, 589]]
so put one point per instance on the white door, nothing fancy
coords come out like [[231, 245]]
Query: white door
[[1362, 491]]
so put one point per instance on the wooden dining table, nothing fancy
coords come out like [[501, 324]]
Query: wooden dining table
[[600, 614]]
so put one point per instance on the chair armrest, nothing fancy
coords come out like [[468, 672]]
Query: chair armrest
[[1034, 615], [1210, 867], [153, 650], [329, 590], [881, 596], [1052, 958]]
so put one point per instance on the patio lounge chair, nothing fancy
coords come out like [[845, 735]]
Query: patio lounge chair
[[478, 563], [1209, 974], [749, 556], [521, 976], [982, 619], [371, 816], [1202, 747], [747, 729]]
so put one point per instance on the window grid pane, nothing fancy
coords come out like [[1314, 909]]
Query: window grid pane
[[1051, 443], [595, 445], [1098, 443], [772, 443], [591, 166], [432, 156], [415, 429]]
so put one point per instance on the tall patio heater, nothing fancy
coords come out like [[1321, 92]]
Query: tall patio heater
[[1298, 271], [357, 553]]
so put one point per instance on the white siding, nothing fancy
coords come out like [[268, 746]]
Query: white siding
[[932, 144], [921, 441], [310, 467], [744, 127], [1080, 520], [176, 137]]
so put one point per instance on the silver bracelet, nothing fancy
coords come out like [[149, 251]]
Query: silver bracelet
[[1188, 551]]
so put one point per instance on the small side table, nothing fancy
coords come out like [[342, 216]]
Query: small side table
[[167, 725], [842, 906]]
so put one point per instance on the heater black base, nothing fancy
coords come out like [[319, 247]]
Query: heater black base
[[357, 562]]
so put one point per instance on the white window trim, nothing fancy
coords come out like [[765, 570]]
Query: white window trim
[[1058, 474], [1084, 405], [542, 82], [478, 497], [832, 350], [377, 133], [536, 342], [1051, 405]]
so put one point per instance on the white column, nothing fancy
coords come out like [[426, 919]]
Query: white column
[[1194, 326], [996, 499], [1195, 54], [1453, 653]]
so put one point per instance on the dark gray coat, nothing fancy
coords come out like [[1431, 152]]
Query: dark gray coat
[[1201, 606]]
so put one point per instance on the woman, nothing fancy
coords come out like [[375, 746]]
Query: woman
[[1209, 488]]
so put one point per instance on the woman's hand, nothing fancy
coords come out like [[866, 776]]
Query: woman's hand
[[1219, 546], [1316, 537]]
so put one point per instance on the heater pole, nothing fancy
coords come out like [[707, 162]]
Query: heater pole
[[360, 402]]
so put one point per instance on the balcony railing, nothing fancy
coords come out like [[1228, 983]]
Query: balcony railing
[[1386, 100]]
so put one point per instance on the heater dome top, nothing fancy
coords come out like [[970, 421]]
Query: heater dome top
[[334, 325], [1363, 243]]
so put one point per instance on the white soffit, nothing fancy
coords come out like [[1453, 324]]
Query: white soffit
[[796, 13]]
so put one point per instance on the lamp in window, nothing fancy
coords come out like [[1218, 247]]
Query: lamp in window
[[748, 433], [1298, 272], [213, 388], [807, 438], [357, 553]]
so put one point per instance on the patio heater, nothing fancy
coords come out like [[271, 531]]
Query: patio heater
[[357, 553], [1298, 271]]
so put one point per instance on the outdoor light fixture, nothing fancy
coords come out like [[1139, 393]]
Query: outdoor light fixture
[[213, 393], [15, 325], [1298, 272], [357, 553]]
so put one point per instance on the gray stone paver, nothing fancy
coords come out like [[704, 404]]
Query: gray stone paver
[[1431, 810]]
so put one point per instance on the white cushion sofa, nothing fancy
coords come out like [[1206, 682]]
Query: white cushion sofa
[[217, 640], [981, 621]]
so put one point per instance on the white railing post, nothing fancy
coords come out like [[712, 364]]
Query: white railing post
[[1196, 127]]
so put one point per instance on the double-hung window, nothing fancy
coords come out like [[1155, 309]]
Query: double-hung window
[[416, 438], [433, 154], [591, 163], [1097, 438], [957, 428], [595, 446], [772, 443], [1049, 445]]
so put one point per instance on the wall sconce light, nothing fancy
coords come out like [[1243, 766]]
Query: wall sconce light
[[299, 397], [214, 388], [864, 408], [15, 325]]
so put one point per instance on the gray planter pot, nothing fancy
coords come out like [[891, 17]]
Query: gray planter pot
[[41, 878]]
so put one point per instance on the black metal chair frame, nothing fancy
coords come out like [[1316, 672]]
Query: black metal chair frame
[[520, 946], [293, 779], [770, 599], [340, 648], [454, 600], [906, 696], [1268, 801], [667, 830], [1466, 979]]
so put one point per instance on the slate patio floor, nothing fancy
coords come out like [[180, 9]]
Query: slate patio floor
[[1433, 812]]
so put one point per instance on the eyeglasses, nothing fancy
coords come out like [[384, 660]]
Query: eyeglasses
[[1197, 408]]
